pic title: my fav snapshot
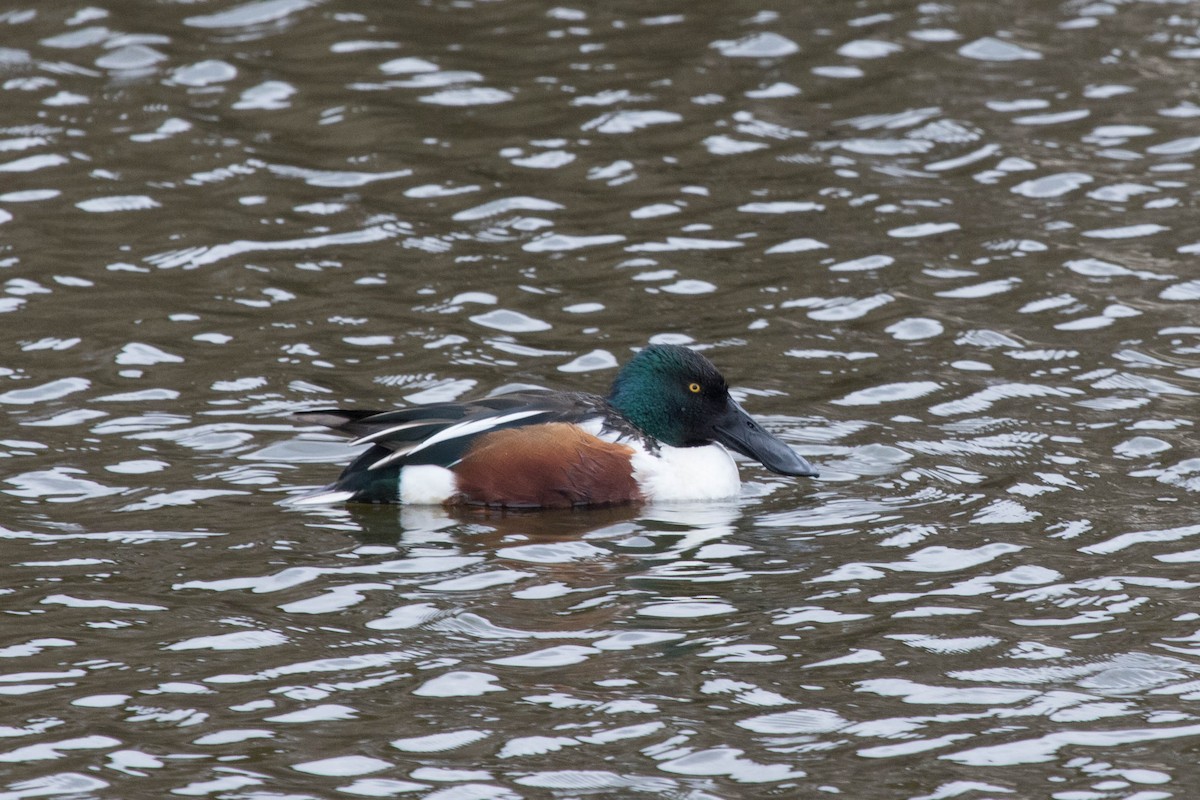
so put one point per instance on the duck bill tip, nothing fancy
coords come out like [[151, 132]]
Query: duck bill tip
[[738, 431]]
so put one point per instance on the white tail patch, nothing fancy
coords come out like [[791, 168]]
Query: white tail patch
[[426, 485]]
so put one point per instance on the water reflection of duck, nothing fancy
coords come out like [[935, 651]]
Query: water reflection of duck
[[495, 527], [645, 529], [660, 436]]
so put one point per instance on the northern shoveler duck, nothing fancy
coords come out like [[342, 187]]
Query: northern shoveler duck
[[659, 436]]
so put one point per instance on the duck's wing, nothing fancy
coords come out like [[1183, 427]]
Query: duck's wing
[[441, 433]]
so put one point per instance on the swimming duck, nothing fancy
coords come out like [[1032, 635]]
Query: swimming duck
[[659, 436]]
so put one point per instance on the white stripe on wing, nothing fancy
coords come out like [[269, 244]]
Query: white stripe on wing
[[403, 426], [469, 427]]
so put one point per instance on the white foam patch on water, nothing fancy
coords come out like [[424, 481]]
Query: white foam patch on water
[[101, 701], [985, 289], [266, 96], [450, 775], [722, 145], [249, 15], [137, 467], [921, 612], [29, 195], [183, 497], [295, 576], [855, 656], [549, 159], [506, 205], [407, 66], [684, 609], [792, 723], [479, 581], [915, 328], [1054, 118], [535, 745], [462, 683], [889, 393], [680, 243], [333, 600], [557, 656], [557, 242], [408, 616], [796, 246], [553, 552], [328, 712], [728, 761], [629, 121], [471, 96], [1141, 446], [805, 615], [775, 90], [1045, 748], [1052, 185], [49, 751], [924, 694], [61, 486], [986, 398], [229, 783], [543, 591], [239, 640], [1188, 144], [194, 257], [757, 45], [509, 321], [941, 644], [590, 362], [1126, 540], [204, 73], [440, 742], [990, 48], [924, 229], [233, 736], [689, 286], [780, 207], [1126, 231], [75, 602], [1098, 268], [33, 163], [868, 48], [842, 309], [743, 654], [45, 392], [654, 210], [627, 640], [863, 264], [575, 780], [932, 559], [343, 766], [105, 205]]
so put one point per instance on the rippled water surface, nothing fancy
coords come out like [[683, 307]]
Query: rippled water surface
[[947, 250]]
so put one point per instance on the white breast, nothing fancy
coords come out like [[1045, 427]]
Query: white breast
[[686, 474]]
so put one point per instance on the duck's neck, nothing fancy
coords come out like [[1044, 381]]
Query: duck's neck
[[648, 414]]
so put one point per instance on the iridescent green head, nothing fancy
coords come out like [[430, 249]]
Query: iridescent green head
[[676, 396]]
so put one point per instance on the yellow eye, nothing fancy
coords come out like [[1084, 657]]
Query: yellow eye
[[694, 388]]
